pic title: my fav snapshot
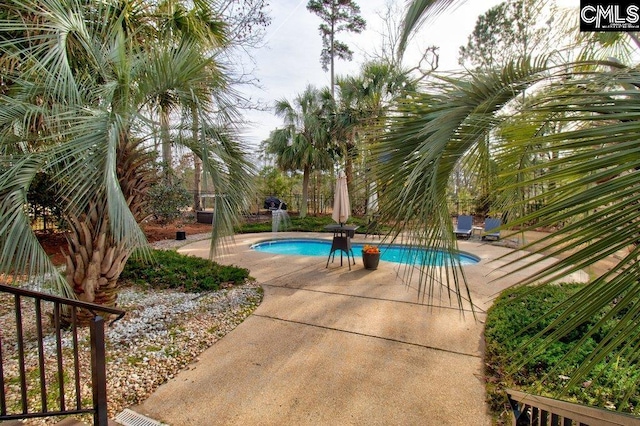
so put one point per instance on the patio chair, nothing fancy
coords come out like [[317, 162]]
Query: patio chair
[[491, 229], [464, 227]]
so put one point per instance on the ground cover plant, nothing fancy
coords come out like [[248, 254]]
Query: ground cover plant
[[509, 325], [169, 269]]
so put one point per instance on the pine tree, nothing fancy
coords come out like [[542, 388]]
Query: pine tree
[[337, 16]]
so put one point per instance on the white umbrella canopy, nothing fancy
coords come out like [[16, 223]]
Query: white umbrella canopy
[[341, 204]]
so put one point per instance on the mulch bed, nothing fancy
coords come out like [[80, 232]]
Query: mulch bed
[[54, 243]]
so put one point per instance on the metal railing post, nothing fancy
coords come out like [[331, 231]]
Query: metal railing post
[[98, 372], [55, 365]]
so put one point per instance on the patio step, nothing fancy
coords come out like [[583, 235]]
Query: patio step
[[130, 418]]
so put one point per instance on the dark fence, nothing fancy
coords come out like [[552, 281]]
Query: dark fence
[[50, 383], [316, 204], [466, 206], [43, 221], [476, 207]]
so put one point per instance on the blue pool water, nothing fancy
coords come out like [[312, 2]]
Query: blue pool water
[[390, 253]]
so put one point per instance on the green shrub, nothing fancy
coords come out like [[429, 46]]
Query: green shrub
[[167, 199], [306, 224], [169, 269], [508, 326], [43, 199]]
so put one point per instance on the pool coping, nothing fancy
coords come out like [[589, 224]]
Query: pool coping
[[382, 246]]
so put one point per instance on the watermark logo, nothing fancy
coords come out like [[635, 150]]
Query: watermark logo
[[609, 15]]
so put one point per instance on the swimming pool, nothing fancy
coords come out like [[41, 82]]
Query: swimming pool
[[391, 253]]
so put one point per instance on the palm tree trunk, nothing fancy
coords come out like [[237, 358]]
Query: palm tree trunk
[[166, 141], [305, 191], [94, 262], [348, 165], [197, 163], [197, 183]]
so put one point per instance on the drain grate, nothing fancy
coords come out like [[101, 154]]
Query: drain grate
[[131, 418]]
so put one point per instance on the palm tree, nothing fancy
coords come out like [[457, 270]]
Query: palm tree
[[178, 23], [303, 142], [89, 82], [364, 101], [591, 187]]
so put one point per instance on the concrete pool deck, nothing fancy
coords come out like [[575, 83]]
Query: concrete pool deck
[[334, 346]]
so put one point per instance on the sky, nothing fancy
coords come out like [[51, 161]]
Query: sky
[[291, 59]]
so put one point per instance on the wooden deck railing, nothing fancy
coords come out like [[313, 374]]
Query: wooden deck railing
[[41, 388], [539, 410]]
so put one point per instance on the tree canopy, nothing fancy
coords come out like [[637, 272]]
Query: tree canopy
[[511, 28], [303, 143], [81, 83], [337, 16], [585, 112]]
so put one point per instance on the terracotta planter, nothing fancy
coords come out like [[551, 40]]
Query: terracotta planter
[[370, 260]]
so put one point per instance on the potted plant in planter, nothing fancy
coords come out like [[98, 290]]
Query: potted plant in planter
[[370, 256]]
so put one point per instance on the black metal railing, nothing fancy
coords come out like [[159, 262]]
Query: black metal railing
[[539, 410], [42, 384]]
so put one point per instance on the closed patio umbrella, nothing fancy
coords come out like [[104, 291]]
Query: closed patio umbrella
[[341, 205]]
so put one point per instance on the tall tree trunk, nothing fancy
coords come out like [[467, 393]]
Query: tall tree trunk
[[197, 163], [197, 183], [305, 191], [166, 140], [332, 53], [348, 165]]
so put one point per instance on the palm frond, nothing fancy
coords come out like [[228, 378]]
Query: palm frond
[[21, 254], [569, 158], [225, 164], [591, 190], [417, 12], [429, 135]]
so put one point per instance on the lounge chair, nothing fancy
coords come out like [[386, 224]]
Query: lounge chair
[[464, 227], [491, 229]]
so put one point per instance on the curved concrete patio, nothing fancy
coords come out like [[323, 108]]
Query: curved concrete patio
[[334, 346]]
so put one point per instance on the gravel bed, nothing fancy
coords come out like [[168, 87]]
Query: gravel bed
[[162, 333]]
